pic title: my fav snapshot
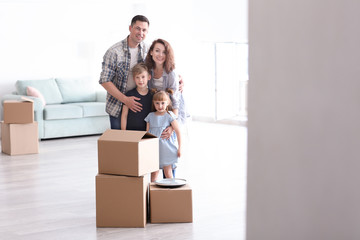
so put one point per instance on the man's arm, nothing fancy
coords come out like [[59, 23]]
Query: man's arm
[[131, 101]]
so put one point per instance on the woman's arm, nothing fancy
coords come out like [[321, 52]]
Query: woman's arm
[[173, 83], [166, 134], [181, 84], [176, 112]]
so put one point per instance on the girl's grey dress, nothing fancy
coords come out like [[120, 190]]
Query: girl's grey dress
[[168, 148]]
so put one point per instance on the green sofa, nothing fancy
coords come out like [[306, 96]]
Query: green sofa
[[65, 107]]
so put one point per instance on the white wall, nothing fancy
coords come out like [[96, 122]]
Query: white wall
[[42, 39], [68, 38], [304, 132]]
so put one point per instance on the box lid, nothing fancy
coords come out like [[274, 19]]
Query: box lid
[[125, 135], [22, 99], [25, 99]]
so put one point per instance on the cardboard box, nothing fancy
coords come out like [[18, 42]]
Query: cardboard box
[[19, 138], [121, 201], [131, 153], [19, 111], [170, 205]]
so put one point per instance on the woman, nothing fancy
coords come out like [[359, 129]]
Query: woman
[[161, 61]]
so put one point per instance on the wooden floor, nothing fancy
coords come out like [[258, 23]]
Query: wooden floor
[[51, 195]]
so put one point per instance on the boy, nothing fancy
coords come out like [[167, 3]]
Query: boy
[[135, 120]]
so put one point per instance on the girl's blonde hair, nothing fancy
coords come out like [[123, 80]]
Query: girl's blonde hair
[[162, 96]]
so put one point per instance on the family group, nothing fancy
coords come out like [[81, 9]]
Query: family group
[[144, 93]]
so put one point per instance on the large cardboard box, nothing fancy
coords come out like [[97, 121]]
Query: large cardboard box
[[19, 138], [121, 201], [170, 205], [19, 111], [131, 153]]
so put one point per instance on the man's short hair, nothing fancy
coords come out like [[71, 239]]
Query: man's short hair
[[140, 18]]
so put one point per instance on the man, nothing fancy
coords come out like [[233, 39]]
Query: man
[[116, 75]]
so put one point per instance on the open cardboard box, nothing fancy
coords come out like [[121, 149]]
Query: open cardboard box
[[131, 153], [19, 111]]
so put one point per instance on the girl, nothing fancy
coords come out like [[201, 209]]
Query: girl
[[160, 60], [156, 122]]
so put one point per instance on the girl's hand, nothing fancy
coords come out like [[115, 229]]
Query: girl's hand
[[179, 153], [166, 134], [133, 104]]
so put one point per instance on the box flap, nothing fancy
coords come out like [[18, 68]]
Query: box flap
[[125, 135], [149, 135], [25, 99], [21, 99]]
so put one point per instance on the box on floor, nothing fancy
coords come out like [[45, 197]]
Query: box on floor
[[131, 153], [121, 201], [19, 111], [170, 205], [19, 139]]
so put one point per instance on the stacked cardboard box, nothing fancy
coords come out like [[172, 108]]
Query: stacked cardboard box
[[125, 158], [19, 132], [170, 205]]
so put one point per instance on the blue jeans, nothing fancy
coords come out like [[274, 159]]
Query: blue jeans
[[115, 123]]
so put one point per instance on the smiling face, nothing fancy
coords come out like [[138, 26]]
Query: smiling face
[[158, 54], [161, 102], [138, 32], [161, 106], [142, 79]]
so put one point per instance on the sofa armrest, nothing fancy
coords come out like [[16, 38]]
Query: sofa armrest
[[101, 95], [38, 104]]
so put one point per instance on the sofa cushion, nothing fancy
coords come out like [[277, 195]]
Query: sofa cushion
[[62, 111], [76, 90], [47, 87], [33, 92], [91, 109]]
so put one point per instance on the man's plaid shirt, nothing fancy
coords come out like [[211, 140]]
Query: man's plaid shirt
[[115, 69]]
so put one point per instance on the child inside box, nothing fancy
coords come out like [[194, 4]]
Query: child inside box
[[157, 121]]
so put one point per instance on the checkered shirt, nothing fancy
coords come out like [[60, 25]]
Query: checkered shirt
[[115, 69]]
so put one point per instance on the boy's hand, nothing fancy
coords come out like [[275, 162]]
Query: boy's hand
[[132, 104]]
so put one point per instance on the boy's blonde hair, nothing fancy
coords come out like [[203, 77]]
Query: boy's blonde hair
[[162, 96], [139, 68]]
